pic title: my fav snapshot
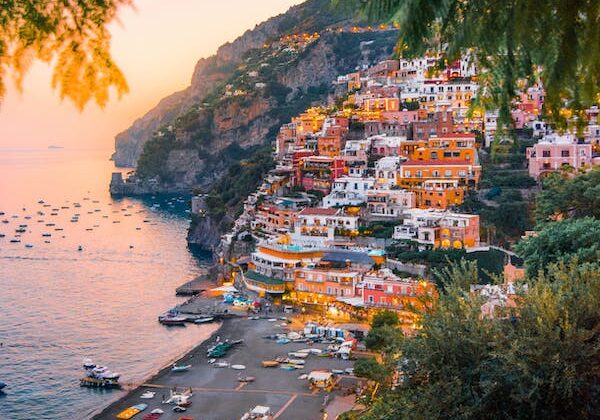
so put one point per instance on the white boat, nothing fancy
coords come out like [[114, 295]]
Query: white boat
[[260, 412], [238, 367], [204, 320], [221, 364], [88, 364], [180, 368], [157, 411], [148, 395]]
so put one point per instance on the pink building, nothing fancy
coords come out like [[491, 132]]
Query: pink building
[[555, 151]]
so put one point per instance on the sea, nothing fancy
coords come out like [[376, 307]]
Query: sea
[[88, 279]]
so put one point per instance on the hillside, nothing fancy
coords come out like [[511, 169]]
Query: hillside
[[211, 72]]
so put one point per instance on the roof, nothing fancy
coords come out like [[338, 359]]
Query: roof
[[454, 135], [439, 162], [253, 275], [352, 256], [318, 211]]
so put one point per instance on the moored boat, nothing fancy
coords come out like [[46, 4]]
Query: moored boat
[[180, 368], [131, 411]]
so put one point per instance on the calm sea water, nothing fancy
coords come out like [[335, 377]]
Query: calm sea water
[[59, 305]]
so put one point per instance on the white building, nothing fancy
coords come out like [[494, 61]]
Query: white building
[[386, 169], [315, 227], [348, 191]]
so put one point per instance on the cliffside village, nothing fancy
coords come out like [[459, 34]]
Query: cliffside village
[[401, 148]]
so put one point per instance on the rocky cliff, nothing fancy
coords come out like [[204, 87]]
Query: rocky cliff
[[313, 15]]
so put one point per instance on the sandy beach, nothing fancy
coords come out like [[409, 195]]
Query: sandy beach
[[219, 395]]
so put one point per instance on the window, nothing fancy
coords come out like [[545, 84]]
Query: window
[[564, 153], [370, 299], [407, 174], [448, 173], [436, 174], [545, 153], [434, 155]]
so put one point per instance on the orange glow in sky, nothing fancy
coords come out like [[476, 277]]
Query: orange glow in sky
[[156, 45]]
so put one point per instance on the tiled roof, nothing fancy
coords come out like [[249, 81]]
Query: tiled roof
[[438, 162], [318, 211]]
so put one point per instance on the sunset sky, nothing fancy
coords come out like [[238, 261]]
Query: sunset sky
[[156, 45]]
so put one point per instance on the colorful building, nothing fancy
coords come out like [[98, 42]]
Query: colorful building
[[554, 152]]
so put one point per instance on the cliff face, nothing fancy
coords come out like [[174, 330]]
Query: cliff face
[[210, 72]]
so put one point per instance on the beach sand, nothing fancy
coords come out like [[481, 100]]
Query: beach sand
[[219, 395]]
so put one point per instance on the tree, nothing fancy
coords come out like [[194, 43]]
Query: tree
[[539, 359], [561, 242], [384, 317], [569, 197], [555, 41], [70, 34]]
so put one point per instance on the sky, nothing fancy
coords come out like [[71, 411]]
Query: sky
[[156, 45]]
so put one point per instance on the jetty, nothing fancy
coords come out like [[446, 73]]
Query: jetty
[[192, 287]]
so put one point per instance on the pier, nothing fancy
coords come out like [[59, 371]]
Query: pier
[[192, 287]]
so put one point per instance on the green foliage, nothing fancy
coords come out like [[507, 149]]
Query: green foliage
[[69, 35], [538, 360], [385, 317], [573, 197], [241, 179], [489, 263], [556, 41], [560, 242], [369, 368], [153, 160]]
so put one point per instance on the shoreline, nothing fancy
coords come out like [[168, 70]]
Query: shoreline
[[161, 372]]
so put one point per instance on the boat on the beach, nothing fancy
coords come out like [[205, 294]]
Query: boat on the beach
[[173, 320], [260, 412], [131, 411], [204, 320], [221, 364], [148, 395], [180, 368], [179, 398], [270, 363]]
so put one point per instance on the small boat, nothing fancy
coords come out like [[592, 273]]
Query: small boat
[[211, 361], [260, 412], [203, 320], [181, 368], [15, 241], [246, 379], [221, 364], [2, 235], [79, 248], [131, 411], [50, 224], [157, 411], [337, 371], [238, 367], [179, 409], [173, 320], [28, 245], [46, 235], [5, 221], [21, 230], [270, 363], [148, 395], [88, 364], [283, 341]]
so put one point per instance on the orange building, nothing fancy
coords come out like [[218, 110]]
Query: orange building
[[323, 284]]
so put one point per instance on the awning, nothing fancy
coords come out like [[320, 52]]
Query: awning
[[224, 289], [352, 301]]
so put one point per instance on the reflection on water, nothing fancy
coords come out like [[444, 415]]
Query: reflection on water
[[87, 279]]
